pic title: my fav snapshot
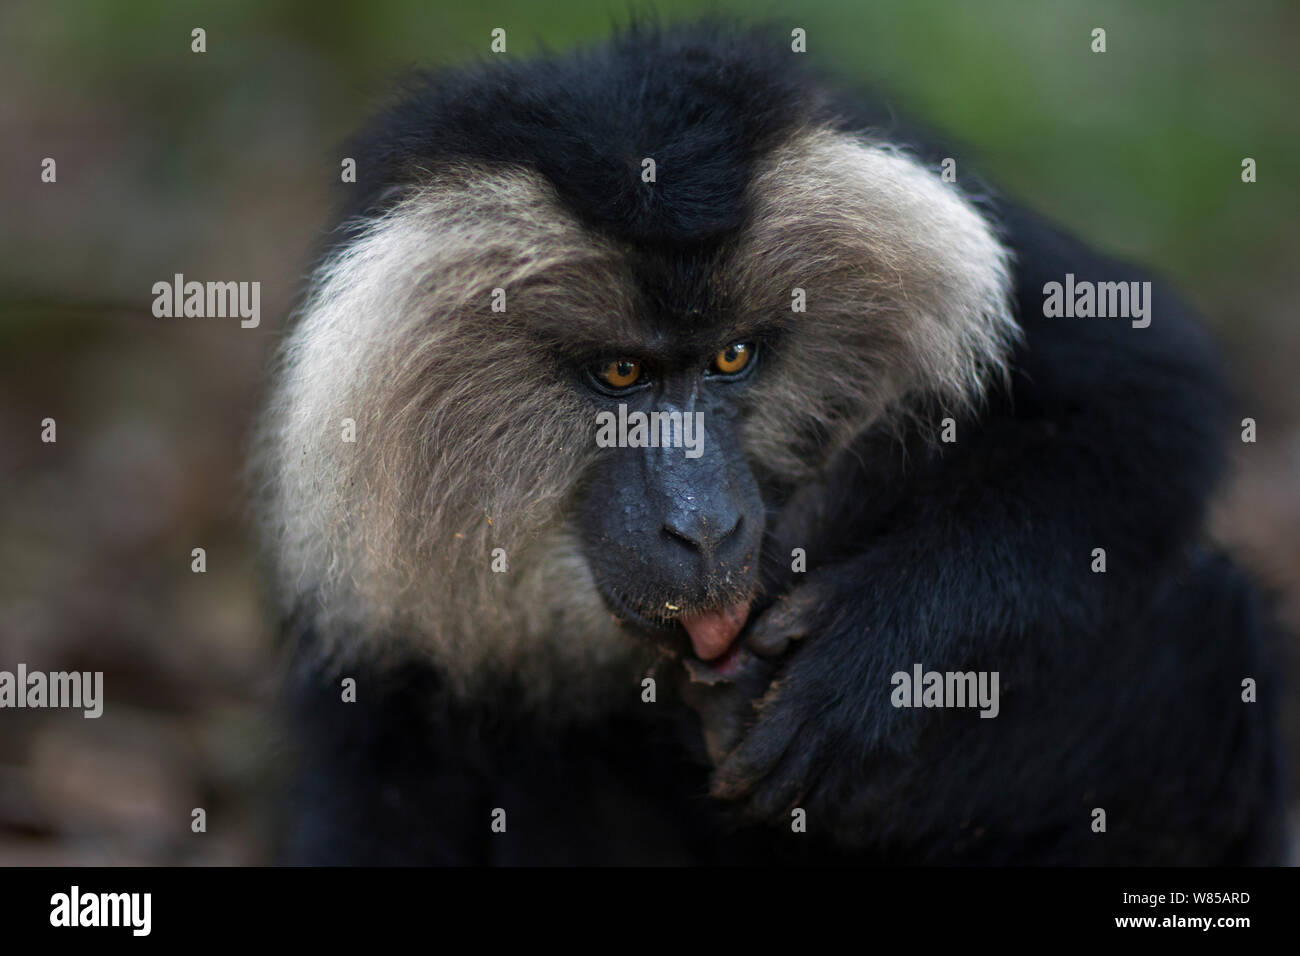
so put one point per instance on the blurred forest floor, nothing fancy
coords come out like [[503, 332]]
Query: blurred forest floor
[[222, 166]]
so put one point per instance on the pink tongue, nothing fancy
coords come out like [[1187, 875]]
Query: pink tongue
[[712, 632]]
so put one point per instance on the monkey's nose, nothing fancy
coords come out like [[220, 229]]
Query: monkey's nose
[[701, 530]]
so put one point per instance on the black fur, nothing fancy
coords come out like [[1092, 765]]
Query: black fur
[[1119, 690]]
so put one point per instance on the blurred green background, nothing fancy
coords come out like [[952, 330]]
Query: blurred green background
[[225, 166]]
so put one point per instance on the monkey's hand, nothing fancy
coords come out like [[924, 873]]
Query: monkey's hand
[[724, 703], [823, 729], [803, 724], [765, 720], [725, 699]]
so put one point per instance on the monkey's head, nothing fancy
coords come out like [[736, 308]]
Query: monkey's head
[[588, 324]]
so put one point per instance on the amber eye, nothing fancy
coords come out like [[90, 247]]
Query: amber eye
[[620, 373], [733, 359]]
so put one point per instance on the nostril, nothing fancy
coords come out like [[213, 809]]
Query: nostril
[[699, 533], [685, 537]]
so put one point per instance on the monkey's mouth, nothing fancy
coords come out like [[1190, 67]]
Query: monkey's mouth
[[711, 631]]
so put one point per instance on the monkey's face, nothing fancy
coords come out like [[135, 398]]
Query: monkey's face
[[476, 322], [671, 513]]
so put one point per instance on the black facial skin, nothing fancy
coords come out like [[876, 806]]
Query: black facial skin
[[664, 532]]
